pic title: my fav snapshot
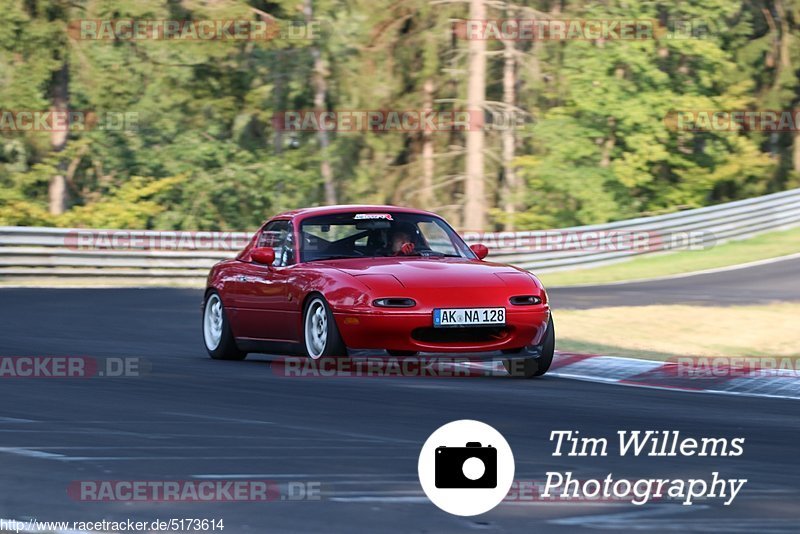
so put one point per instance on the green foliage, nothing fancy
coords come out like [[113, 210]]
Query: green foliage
[[133, 205], [203, 154]]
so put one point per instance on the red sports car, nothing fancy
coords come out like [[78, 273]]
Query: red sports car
[[320, 281]]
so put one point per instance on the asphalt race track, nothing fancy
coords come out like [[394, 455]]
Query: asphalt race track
[[759, 284], [190, 417]]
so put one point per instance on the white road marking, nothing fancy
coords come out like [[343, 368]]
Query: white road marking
[[30, 453], [400, 498], [625, 520], [193, 458], [376, 499], [304, 475], [314, 430], [221, 419], [196, 447], [671, 517]]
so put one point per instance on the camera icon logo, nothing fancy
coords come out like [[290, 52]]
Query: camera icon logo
[[472, 466], [466, 467]]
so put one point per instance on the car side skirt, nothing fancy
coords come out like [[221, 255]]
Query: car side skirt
[[268, 346]]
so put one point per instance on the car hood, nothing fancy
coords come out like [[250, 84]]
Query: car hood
[[423, 273]]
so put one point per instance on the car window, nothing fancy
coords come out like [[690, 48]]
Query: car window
[[359, 235], [330, 232], [436, 238], [278, 235]]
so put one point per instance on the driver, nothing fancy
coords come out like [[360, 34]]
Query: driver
[[402, 243]]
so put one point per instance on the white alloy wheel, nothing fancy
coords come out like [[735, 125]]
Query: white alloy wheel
[[212, 322], [316, 328]]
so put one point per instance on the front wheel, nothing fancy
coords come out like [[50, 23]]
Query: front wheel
[[217, 333], [320, 335], [531, 367]]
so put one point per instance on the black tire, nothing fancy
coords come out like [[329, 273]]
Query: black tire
[[315, 344], [402, 353], [225, 347], [533, 367]]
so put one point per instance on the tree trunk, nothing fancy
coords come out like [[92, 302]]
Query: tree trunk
[[278, 103], [785, 63], [796, 151], [320, 85], [474, 188], [608, 144], [57, 191], [426, 196], [510, 187]]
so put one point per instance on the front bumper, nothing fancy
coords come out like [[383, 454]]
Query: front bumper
[[413, 331]]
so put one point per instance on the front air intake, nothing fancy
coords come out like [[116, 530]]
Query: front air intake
[[525, 300], [394, 302]]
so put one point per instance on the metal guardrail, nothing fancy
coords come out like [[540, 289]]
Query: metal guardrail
[[694, 229], [35, 252], [27, 252]]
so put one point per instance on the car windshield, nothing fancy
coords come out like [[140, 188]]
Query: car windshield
[[359, 235]]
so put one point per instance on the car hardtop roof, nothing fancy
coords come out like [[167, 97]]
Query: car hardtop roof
[[302, 213]]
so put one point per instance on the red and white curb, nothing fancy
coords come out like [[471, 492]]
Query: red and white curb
[[776, 383]]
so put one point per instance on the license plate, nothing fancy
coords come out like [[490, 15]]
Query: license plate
[[446, 317]]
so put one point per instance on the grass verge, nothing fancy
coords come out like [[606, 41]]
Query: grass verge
[[658, 332], [769, 245]]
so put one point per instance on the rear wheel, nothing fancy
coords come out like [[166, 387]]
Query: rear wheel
[[531, 367], [320, 335], [217, 334]]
